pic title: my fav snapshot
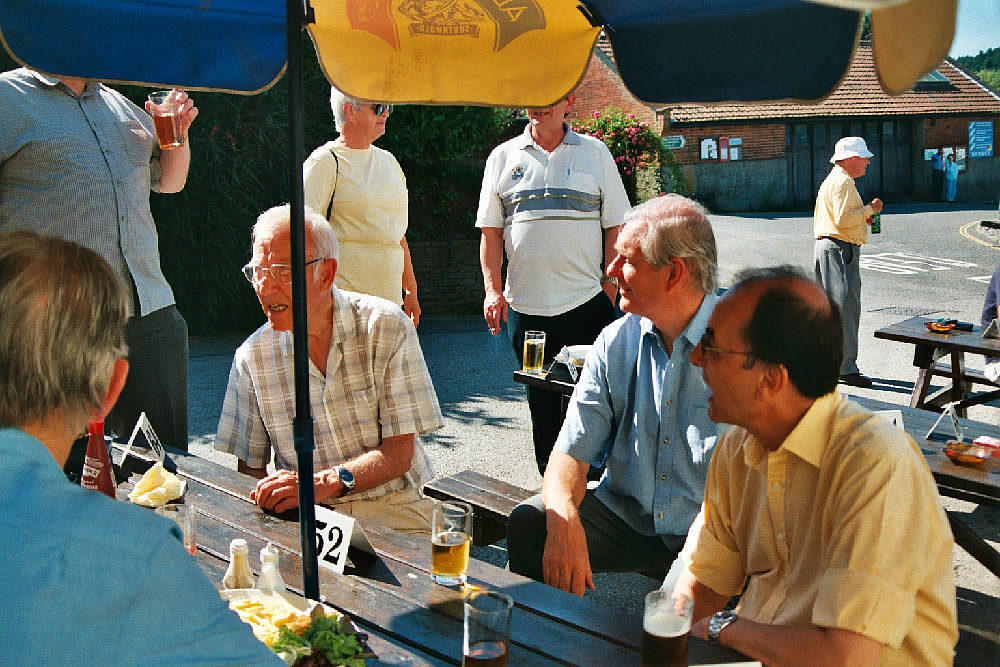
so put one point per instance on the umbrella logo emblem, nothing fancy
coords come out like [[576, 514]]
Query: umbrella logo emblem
[[506, 19]]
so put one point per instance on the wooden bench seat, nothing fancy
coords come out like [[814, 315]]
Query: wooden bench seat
[[492, 502], [972, 375]]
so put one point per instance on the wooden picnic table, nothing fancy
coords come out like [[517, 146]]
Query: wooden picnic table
[[929, 347], [390, 596], [978, 483]]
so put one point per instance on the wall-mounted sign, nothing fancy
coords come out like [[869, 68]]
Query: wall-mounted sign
[[980, 138], [673, 142], [735, 141], [709, 148]]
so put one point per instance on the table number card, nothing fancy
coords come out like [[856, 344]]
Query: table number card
[[335, 532], [147, 430], [949, 410]]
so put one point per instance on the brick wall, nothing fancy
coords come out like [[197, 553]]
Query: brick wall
[[952, 131], [449, 279], [763, 141], [600, 88]]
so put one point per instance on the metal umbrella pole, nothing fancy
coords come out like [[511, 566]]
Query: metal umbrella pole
[[296, 14]]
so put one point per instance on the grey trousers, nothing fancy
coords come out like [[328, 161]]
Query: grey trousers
[[838, 270], [611, 543]]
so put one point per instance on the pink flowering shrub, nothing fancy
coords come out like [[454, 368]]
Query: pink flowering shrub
[[637, 149]]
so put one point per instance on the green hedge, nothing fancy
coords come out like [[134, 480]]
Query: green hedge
[[240, 167]]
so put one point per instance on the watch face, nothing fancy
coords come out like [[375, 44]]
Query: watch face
[[346, 476]]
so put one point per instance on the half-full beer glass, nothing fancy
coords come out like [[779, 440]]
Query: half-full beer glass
[[534, 352], [451, 536], [165, 106], [487, 629], [665, 627]]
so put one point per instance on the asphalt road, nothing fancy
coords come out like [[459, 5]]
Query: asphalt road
[[926, 262]]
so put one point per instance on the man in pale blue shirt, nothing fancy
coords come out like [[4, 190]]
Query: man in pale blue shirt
[[640, 409], [86, 580]]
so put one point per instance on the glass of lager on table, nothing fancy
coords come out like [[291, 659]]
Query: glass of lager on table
[[534, 351], [487, 629], [665, 627], [451, 536]]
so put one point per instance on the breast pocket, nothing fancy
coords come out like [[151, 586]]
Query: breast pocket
[[137, 141]]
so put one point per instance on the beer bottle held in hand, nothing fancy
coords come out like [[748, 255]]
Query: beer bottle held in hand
[[97, 471], [876, 223]]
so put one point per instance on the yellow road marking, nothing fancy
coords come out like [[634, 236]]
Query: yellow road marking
[[963, 232]]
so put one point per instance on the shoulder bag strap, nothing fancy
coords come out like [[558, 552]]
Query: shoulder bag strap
[[329, 207]]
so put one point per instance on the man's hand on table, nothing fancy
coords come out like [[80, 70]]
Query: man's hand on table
[[280, 492], [566, 561]]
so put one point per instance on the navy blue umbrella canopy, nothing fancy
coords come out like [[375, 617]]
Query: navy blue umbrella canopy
[[511, 53]]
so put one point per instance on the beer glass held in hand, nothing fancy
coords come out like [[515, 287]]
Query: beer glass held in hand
[[487, 629], [534, 352], [166, 112], [665, 627], [451, 536]]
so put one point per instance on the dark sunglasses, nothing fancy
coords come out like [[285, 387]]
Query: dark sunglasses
[[379, 109]]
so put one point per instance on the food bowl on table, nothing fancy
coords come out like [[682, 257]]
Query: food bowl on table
[[578, 353], [967, 452]]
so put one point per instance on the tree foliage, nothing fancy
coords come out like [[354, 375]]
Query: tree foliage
[[637, 149]]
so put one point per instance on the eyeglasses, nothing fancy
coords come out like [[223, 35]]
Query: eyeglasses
[[379, 109], [279, 273], [707, 347]]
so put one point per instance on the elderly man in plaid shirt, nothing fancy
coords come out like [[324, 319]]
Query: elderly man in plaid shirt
[[369, 389]]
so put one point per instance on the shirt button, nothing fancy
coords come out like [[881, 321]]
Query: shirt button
[[660, 515], [669, 402], [776, 486], [781, 537], [663, 476], [666, 440]]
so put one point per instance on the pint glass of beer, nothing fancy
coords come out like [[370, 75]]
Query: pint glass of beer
[[665, 627], [166, 111], [451, 536], [487, 629], [534, 351]]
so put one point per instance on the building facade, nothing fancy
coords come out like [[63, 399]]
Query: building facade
[[756, 157]]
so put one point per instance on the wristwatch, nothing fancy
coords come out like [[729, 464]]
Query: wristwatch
[[720, 621], [346, 478], [609, 279]]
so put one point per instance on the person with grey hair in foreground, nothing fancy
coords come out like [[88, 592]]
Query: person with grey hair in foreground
[[87, 580], [640, 409], [370, 391], [361, 190]]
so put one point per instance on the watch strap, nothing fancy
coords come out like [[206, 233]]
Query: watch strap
[[719, 621]]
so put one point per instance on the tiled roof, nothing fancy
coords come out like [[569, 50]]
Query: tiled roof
[[859, 94]]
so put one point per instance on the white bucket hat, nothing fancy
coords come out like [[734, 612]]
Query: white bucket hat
[[850, 147]]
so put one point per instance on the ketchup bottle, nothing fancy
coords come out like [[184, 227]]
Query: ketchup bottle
[[97, 472]]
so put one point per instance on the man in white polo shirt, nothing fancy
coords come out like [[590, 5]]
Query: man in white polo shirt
[[553, 200]]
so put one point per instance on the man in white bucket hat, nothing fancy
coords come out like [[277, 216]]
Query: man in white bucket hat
[[840, 225]]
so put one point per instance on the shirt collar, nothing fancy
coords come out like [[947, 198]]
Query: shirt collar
[[344, 325], [527, 141], [695, 329], [809, 438], [52, 81]]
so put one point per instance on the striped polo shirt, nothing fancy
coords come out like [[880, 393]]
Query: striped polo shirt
[[553, 208]]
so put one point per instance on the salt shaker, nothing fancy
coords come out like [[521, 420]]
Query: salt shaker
[[238, 575], [270, 577]]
